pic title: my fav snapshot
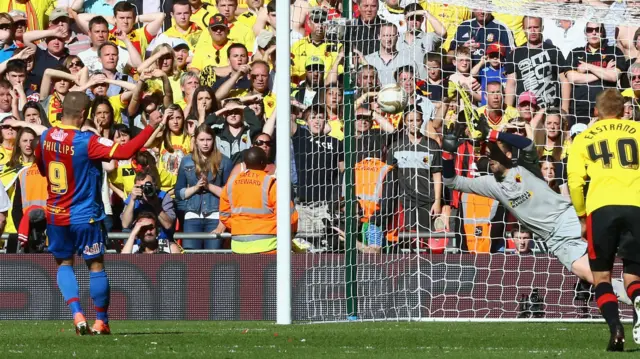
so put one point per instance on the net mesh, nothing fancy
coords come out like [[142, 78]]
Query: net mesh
[[415, 261]]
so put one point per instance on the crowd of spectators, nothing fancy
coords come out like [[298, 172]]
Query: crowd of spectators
[[209, 69]]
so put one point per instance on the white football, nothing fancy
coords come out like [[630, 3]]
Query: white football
[[392, 98]]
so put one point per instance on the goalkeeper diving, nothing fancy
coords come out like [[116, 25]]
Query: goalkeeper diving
[[524, 194]]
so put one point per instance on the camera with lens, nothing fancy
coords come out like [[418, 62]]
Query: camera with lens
[[149, 190]]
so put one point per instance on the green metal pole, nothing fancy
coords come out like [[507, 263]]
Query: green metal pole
[[351, 229]]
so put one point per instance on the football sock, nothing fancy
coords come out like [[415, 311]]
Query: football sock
[[68, 285], [100, 292], [633, 291], [608, 305]]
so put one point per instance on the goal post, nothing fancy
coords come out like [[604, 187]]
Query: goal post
[[283, 153], [424, 272]]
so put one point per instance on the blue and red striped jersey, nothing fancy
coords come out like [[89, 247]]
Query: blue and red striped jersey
[[71, 160]]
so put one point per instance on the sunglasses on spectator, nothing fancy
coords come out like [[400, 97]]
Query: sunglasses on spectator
[[60, 20], [7, 127], [262, 143], [635, 77], [5, 26], [21, 23], [589, 30], [76, 63], [363, 118]]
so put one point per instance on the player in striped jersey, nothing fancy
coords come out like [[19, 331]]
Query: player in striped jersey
[[71, 160]]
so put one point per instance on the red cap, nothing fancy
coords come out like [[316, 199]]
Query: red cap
[[529, 97], [496, 47]]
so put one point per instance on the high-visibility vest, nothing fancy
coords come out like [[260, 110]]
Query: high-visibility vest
[[33, 188], [369, 177], [248, 209], [476, 216]]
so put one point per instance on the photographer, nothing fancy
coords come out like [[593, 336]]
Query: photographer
[[147, 197], [146, 232]]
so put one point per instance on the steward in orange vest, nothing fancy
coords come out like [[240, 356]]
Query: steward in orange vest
[[248, 206], [31, 190]]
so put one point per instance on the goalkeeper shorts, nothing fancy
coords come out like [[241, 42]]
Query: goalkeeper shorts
[[566, 243]]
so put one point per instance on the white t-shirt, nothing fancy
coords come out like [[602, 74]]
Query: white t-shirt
[[91, 60], [565, 40], [5, 203]]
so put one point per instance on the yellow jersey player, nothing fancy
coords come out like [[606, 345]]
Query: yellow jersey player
[[607, 154]]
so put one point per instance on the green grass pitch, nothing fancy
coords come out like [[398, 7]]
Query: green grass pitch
[[185, 339]]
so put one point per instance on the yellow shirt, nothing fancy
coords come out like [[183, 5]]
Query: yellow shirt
[[269, 99], [508, 114], [124, 177], [514, 23], [208, 54], [303, 48], [174, 80], [242, 34], [607, 153], [53, 109], [5, 156], [41, 10], [118, 106], [248, 18], [139, 37], [191, 36], [337, 127], [202, 16], [450, 16], [629, 93]]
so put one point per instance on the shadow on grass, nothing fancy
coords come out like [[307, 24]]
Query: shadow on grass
[[146, 333]]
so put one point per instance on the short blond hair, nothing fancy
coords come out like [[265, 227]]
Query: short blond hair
[[610, 104]]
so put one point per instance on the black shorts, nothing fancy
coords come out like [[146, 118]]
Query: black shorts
[[611, 230]]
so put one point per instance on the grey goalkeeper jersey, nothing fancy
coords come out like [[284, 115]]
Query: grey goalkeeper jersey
[[526, 196]]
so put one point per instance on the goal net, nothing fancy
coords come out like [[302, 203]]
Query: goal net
[[385, 239]]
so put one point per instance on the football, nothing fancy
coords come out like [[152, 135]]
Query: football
[[392, 98]]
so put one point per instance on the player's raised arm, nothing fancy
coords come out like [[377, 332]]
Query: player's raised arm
[[102, 148], [480, 185]]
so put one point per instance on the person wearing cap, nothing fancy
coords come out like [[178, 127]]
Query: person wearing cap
[[529, 110], [308, 92], [387, 59], [36, 11], [535, 67], [98, 31], [490, 68], [183, 28], [19, 24], [7, 34], [237, 31], [125, 16], [214, 51], [419, 41], [313, 45], [479, 32], [266, 47]]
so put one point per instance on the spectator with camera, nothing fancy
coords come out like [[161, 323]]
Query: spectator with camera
[[145, 239], [147, 197]]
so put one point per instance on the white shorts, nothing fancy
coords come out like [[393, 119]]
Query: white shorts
[[566, 242]]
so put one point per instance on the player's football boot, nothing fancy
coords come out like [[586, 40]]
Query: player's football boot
[[80, 322], [616, 342], [100, 328], [636, 321]]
